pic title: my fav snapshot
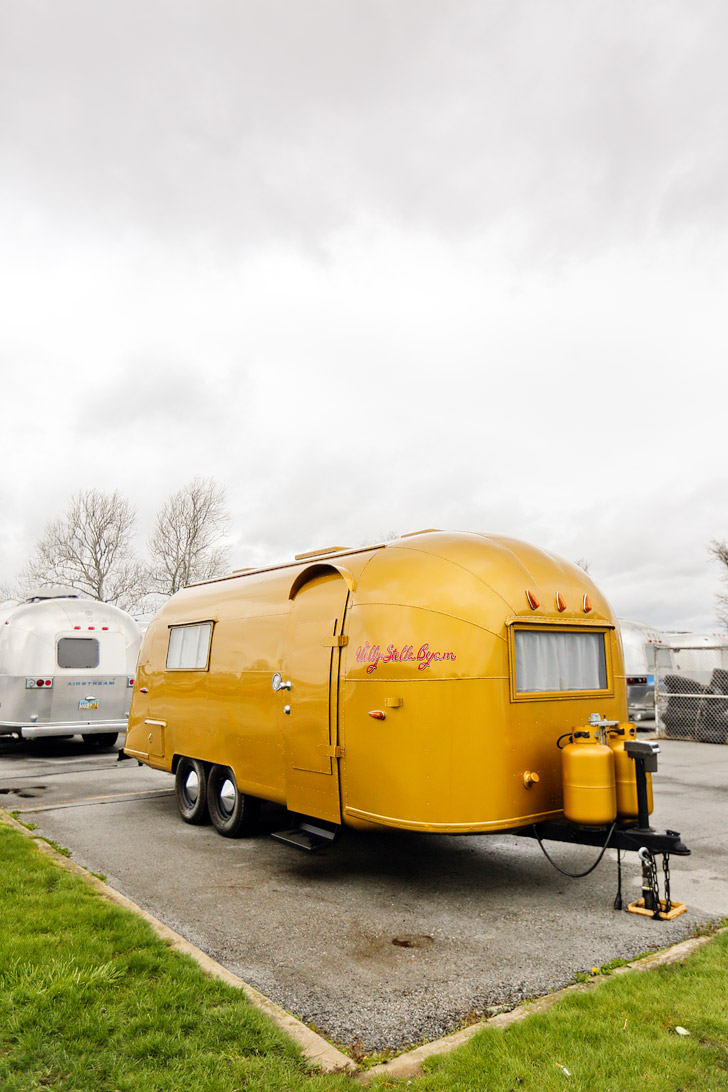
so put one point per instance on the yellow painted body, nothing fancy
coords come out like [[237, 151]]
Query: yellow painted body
[[421, 633]]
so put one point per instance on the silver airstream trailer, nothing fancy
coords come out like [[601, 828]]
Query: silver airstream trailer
[[67, 667], [638, 644]]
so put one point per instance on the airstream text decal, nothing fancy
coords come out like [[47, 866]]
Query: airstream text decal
[[372, 656], [94, 682]]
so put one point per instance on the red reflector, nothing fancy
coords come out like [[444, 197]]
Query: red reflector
[[39, 682], [92, 627], [76, 627], [105, 627], [130, 682]]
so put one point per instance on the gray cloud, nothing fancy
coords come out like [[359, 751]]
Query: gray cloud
[[375, 267], [244, 122]]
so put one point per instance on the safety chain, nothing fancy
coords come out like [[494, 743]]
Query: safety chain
[[652, 872], [666, 870], [650, 888]]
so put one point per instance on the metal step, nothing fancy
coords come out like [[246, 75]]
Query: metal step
[[309, 835]]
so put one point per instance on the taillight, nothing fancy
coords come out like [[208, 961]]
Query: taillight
[[37, 684], [129, 682], [637, 680]]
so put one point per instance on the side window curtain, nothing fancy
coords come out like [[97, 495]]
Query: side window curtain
[[189, 647]]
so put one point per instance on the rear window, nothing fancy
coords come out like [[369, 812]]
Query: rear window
[[78, 652], [189, 647], [550, 662]]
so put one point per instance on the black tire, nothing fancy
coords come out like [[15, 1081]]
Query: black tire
[[190, 785], [233, 814], [100, 739]]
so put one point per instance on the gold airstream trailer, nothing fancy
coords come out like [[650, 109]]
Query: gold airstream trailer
[[420, 684]]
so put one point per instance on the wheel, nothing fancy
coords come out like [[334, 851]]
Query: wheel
[[190, 784], [100, 739], [232, 812]]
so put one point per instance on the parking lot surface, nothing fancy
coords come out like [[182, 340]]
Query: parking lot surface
[[382, 940]]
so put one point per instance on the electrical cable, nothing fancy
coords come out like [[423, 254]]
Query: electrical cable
[[574, 875]]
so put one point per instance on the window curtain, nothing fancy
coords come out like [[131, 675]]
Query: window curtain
[[559, 661], [189, 646]]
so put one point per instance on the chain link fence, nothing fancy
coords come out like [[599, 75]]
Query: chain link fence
[[691, 692]]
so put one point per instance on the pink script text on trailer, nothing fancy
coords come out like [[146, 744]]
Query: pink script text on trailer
[[372, 656]]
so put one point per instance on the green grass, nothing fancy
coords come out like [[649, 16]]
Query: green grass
[[91, 1000], [619, 1038]]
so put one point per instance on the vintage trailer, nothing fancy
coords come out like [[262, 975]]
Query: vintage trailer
[[67, 667], [441, 682], [638, 644]]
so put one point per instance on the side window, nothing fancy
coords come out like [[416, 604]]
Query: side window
[[560, 661], [78, 652], [189, 647], [663, 659]]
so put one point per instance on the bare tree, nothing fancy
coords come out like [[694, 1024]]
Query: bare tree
[[185, 545], [9, 595], [90, 549], [719, 550], [583, 564]]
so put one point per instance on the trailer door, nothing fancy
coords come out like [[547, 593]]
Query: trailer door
[[310, 707]]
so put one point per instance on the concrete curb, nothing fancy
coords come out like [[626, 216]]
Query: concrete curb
[[316, 1050]]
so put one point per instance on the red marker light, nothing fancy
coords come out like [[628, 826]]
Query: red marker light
[[560, 604], [377, 714], [532, 600], [39, 682], [586, 605]]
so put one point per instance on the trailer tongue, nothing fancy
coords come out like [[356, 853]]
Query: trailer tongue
[[622, 835]]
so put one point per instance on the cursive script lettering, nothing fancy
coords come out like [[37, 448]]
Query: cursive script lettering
[[372, 656]]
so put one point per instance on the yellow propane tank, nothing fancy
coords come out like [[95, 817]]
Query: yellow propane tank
[[625, 776], [587, 772]]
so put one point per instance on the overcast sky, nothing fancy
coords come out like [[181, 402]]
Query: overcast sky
[[374, 265]]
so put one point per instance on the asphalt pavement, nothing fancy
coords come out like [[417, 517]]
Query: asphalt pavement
[[383, 940]]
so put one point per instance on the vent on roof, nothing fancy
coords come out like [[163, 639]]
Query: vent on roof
[[318, 553], [426, 531], [50, 591]]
